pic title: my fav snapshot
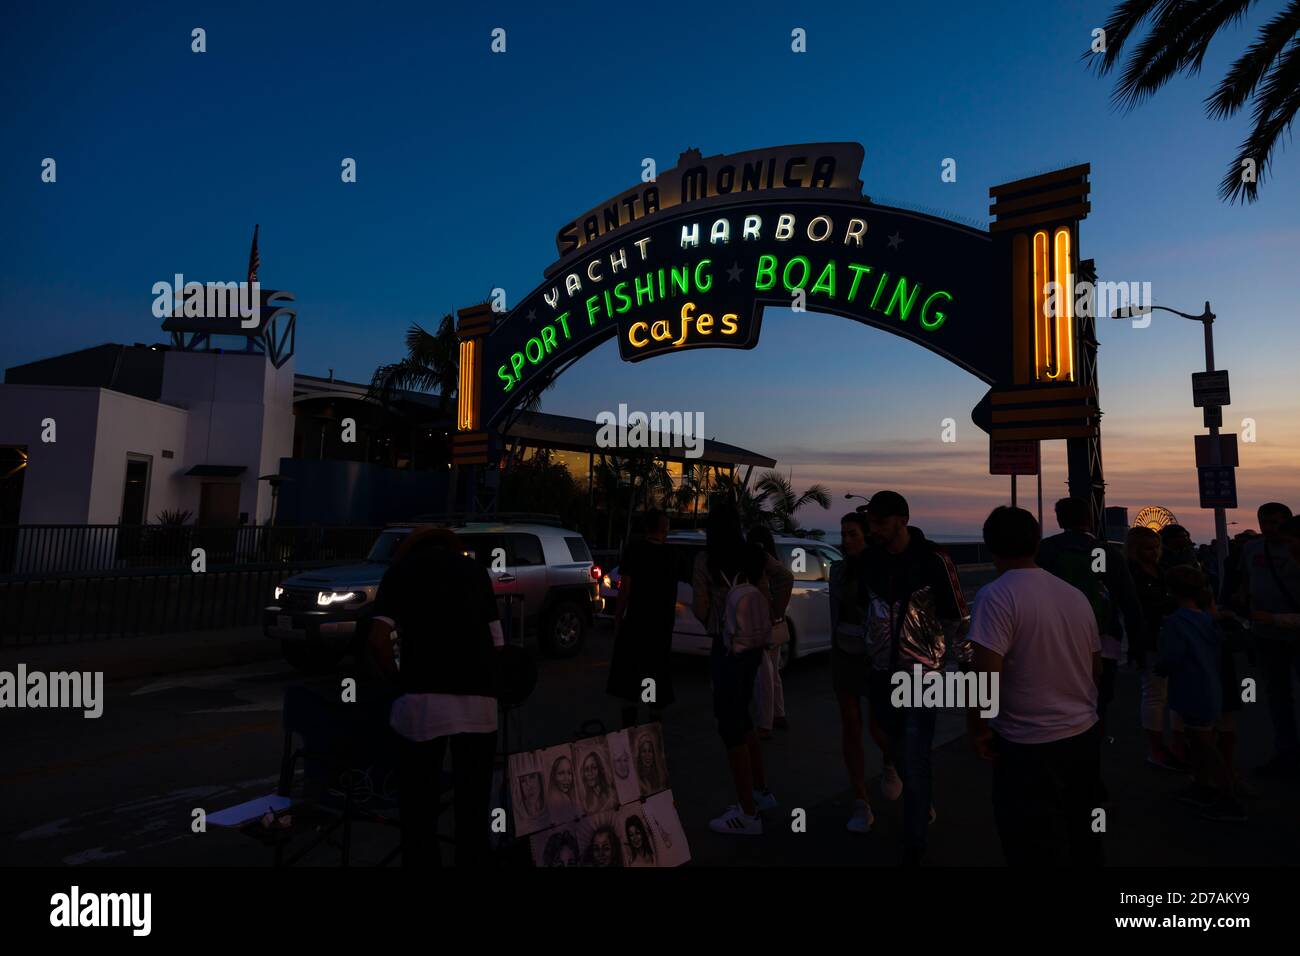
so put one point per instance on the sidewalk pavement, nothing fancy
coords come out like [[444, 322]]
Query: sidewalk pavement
[[148, 655], [1145, 826]]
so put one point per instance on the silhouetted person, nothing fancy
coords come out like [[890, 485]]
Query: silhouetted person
[[916, 617], [441, 605], [1078, 557], [643, 622], [1271, 583], [769, 691], [1038, 634]]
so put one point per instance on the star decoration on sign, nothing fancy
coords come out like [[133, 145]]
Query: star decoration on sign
[[532, 315], [733, 274], [895, 241]]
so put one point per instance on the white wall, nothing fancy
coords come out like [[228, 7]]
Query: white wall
[[277, 423], [241, 413], [56, 487], [138, 426], [215, 409], [79, 478]]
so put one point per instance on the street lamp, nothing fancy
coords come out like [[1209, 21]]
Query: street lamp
[[852, 495], [1206, 319]]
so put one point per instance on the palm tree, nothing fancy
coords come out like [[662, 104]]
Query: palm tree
[[750, 506], [692, 484], [431, 364], [776, 489], [650, 476], [1267, 74]]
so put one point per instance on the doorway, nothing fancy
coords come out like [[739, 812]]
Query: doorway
[[135, 490]]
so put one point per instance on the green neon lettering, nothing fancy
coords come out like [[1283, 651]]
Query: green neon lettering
[[765, 276], [517, 364], [880, 287], [563, 319], [705, 284], [661, 284], [609, 308], [548, 338], [858, 272], [528, 350], [899, 291], [647, 293], [928, 324], [505, 377], [593, 306], [681, 279], [625, 300], [803, 279], [826, 281]]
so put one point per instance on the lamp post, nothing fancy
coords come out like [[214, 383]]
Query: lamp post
[[851, 495], [1206, 318]]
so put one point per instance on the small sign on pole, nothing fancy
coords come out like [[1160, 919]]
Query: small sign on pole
[[1210, 388], [1218, 486], [1013, 457], [1227, 451], [1213, 415]]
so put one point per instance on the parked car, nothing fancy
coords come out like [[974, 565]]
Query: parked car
[[542, 574], [808, 615]]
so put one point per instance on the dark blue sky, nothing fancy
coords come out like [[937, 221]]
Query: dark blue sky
[[468, 162]]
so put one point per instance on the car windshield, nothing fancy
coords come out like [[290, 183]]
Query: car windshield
[[385, 546]]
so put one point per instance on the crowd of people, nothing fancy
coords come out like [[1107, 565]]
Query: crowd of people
[[1054, 627]]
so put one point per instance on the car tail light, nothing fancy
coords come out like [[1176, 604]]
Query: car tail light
[[595, 572]]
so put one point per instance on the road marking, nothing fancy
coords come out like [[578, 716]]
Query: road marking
[[177, 743], [211, 681]]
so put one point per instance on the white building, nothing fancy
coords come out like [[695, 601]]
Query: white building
[[116, 435]]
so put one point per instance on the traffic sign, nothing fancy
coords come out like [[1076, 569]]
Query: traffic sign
[[1210, 388], [1013, 457], [1038, 412], [1227, 451], [1218, 486]]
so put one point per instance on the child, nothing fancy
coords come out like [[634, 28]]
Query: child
[[1190, 656]]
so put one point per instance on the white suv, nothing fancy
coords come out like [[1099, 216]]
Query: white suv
[[808, 614], [542, 573]]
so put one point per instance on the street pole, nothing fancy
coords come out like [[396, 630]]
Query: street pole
[[1040, 494], [1220, 514]]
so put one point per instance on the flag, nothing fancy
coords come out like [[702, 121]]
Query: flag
[[254, 259]]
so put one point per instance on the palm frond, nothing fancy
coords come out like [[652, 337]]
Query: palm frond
[[1177, 43], [1275, 109], [1245, 75], [1178, 39]]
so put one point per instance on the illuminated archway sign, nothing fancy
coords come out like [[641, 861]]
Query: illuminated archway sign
[[692, 260]]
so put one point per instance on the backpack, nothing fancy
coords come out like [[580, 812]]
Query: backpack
[[747, 623], [1074, 566]]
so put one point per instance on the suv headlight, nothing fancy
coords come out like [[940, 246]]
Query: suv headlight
[[328, 598]]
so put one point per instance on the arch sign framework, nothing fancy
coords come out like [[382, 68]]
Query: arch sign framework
[[692, 259]]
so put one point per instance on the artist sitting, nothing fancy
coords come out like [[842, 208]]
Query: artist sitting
[[434, 631]]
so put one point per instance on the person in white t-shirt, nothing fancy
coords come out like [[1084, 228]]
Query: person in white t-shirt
[[1038, 635]]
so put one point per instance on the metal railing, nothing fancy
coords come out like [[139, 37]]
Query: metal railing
[[79, 549], [91, 607]]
